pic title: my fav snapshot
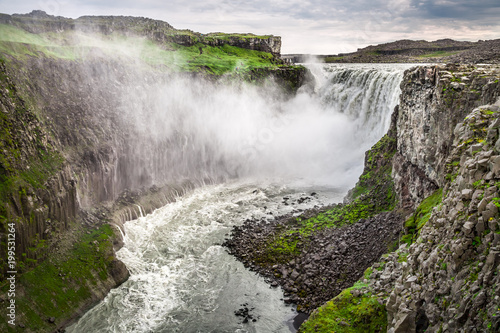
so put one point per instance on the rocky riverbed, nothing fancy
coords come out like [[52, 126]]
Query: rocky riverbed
[[329, 261]]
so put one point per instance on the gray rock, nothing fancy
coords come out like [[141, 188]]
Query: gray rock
[[409, 281], [480, 225], [490, 191], [495, 123], [475, 147], [477, 193], [496, 240], [482, 205], [492, 224], [405, 323], [483, 163], [467, 194], [490, 211], [468, 227], [495, 161]]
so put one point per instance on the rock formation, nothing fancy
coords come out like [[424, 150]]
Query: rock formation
[[71, 167], [447, 281]]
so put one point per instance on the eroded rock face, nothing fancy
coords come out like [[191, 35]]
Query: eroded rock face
[[271, 44], [447, 280], [455, 261], [434, 99], [28, 149]]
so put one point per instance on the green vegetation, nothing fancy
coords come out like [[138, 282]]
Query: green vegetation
[[21, 44], [39, 169], [421, 216], [378, 168], [62, 285], [199, 57], [215, 60], [452, 171], [348, 313]]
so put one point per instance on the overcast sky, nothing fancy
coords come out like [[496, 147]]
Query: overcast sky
[[306, 26]]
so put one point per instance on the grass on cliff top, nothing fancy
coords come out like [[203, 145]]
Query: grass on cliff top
[[59, 287], [226, 36], [373, 194], [347, 313], [201, 57], [170, 56]]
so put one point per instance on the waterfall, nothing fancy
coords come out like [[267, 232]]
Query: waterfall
[[181, 279], [367, 93], [196, 130]]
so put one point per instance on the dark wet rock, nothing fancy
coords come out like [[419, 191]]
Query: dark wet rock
[[299, 319], [245, 314]]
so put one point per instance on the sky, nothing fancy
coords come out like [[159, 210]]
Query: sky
[[305, 26]]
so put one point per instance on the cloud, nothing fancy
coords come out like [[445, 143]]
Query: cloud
[[306, 26], [482, 10]]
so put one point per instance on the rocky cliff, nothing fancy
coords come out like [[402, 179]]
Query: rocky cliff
[[445, 273], [447, 282], [83, 150]]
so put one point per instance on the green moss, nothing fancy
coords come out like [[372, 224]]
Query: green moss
[[375, 172], [347, 313], [421, 216], [403, 256], [368, 273], [60, 286], [480, 184]]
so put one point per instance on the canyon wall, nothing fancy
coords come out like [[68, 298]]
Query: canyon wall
[[448, 135], [444, 274]]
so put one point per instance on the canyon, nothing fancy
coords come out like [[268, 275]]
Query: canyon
[[87, 146]]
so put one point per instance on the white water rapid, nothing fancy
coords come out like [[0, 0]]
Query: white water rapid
[[182, 280]]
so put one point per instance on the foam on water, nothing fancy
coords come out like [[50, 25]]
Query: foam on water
[[182, 280]]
